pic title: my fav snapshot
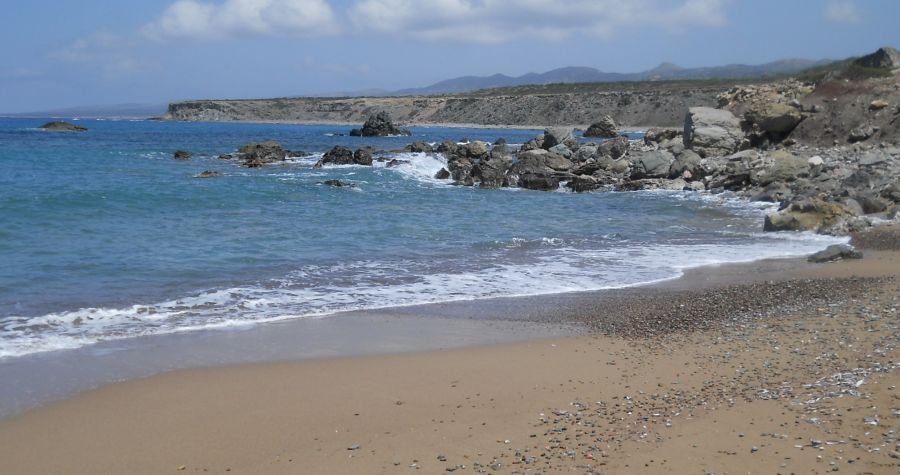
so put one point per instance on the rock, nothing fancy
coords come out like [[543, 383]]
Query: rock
[[581, 184], [60, 126], [225, 156], [208, 174], [460, 169], [835, 252], [815, 161], [476, 149], [785, 167], [585, 153], [811, 214], [687, 162], [652, 164], [395, 162], [296, 153], [561, 150], [442, 174], [605, 128], [447, 147], [615, 148], [339, 184], [870, 203], [538, 182], [262, 153], [533, 144], [419, 147], [774, 193], [712, 132], [182, 155], [878, 104], [379, 125], [540, 162], [861, 133], [884, 58], [363, 156], [619, 167], [557, 135], [659, 135], [492, 171], [774, 117]]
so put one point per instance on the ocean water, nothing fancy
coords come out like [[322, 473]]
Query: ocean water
[[104, 236]]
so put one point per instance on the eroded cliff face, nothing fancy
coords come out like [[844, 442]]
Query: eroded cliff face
[[631, 108]]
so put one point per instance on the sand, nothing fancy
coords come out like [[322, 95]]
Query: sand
[[797, 375]]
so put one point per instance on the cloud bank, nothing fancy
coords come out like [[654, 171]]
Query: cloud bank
[[208, 20], [842, 11], [471, 21]]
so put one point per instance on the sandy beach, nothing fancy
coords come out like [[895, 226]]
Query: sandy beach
[[790, 375]]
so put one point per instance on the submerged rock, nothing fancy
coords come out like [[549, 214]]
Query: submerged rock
[[60, 126], [208, 174], [182, 155], [339, 184], [262, 153]]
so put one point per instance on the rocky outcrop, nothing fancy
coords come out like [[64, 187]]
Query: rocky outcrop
[[379, 125], [60, 126], [344, 156], [712, 132], [182, 155], [263, 153], [884, 58], [812, 214], [605, 128], [208, 174]]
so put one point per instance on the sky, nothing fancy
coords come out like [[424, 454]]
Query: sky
[[60, 53]]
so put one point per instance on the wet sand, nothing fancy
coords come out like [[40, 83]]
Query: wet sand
[[785, 370]]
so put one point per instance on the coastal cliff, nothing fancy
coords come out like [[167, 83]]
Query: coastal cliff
[[663, 105]]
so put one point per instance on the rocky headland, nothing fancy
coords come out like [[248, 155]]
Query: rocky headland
[[60, 126]]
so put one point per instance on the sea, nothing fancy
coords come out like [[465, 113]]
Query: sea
[[104, 236]]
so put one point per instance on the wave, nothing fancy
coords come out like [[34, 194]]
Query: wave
[[518, 267]]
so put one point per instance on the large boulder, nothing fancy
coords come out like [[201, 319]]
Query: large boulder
[[344, 156], [262, 153], [835, 252], [491, 171], [661, 134], [60, 126], [379, 125], [615, 148], [363, 156], [785, 167], [687, 165], [539, 182], [605, 128], [557, 135], [419, 147], [774, 117], [652, 164], [811, 214], [540, 162], [712, 132]]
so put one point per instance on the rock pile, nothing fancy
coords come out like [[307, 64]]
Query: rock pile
[[379, 125]]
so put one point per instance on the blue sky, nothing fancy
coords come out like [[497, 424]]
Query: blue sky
[[95, 52]]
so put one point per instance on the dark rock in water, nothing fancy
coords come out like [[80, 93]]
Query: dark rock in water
[[363, 156], [379, 125], [419, 147], [59, 126], [182, 155], [339, 184], [615, 148], [396, 163], [491, 171], [344, 156], [538, 182], [835, 253], [653, 164], [460, 169], [225, 156], [442, 174], [208, 174], [262, 153], [447, 147], [861, 133], [581, 184], [296, 153], [605, 128]]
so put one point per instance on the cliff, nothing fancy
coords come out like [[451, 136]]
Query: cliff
[[641, 106]]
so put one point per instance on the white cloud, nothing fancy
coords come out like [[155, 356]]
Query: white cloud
[[111, 55], [497, 21], [209, 20], [842, 11]]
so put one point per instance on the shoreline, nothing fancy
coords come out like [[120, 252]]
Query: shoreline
[[471, 406]]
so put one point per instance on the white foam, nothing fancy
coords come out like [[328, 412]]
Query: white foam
[[552, 265]]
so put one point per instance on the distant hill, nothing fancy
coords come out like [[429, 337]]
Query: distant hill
[[663, 72], [116, 111]]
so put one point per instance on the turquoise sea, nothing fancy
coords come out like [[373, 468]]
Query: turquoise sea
[[104, 236]]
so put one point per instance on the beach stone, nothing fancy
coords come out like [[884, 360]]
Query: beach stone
[[557, 135], [616, 147], [712, 132], [835, 253], [652, 164], [861, 133]]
